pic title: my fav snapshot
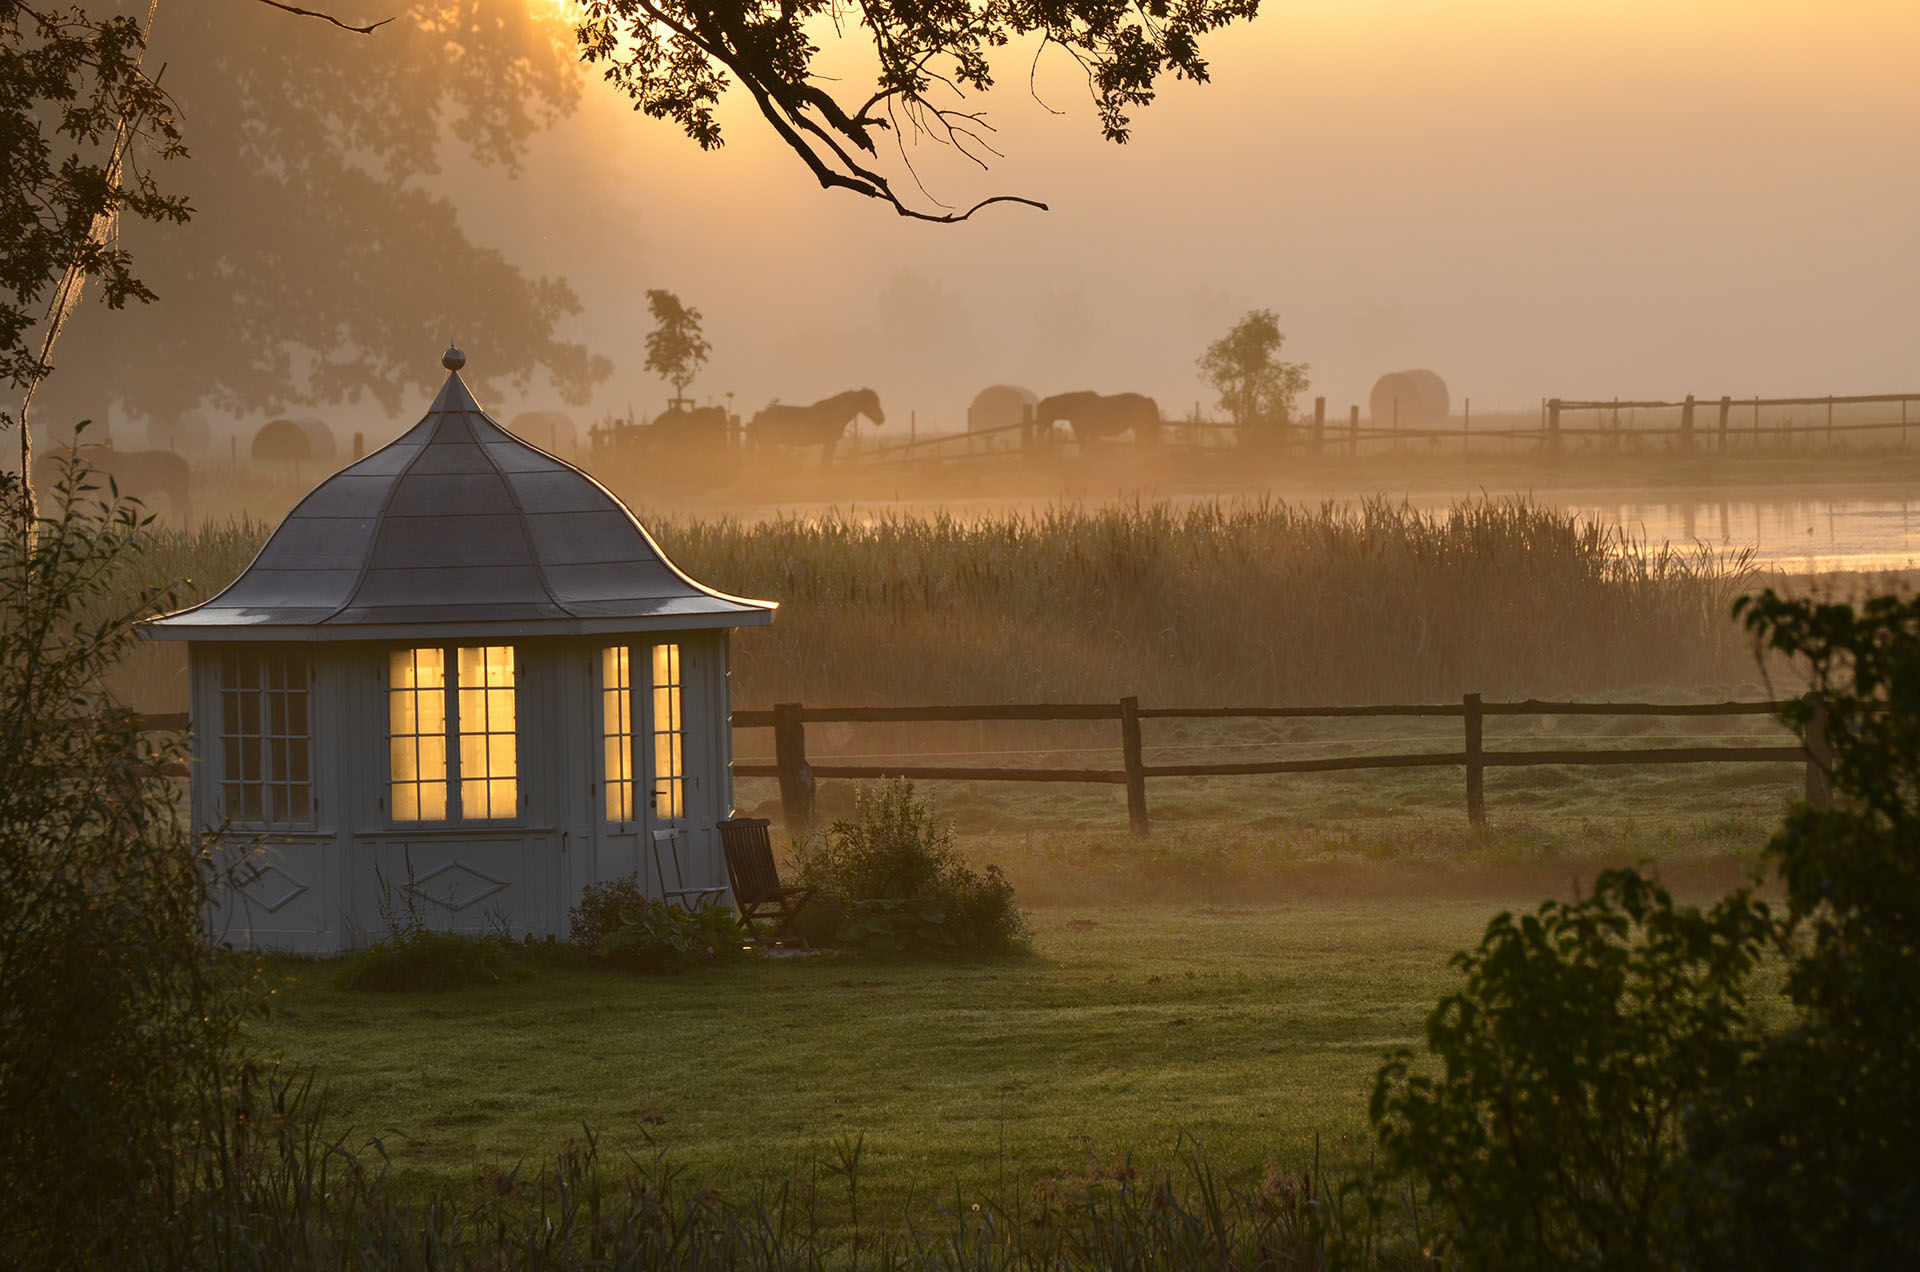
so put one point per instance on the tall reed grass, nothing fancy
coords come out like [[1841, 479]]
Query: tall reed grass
[[1255, 601], [1225, 602]]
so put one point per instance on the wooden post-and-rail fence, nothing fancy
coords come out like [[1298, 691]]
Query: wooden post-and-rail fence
[[797, 775]]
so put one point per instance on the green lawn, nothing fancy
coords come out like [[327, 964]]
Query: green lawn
[[1253, 1028]]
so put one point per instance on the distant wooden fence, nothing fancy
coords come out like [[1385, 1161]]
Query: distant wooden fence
[[1735, 419], [797, 775]]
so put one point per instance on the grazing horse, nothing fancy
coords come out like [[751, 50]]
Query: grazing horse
[[1094, 416], [137, 474], [818, 425], [702, 428]]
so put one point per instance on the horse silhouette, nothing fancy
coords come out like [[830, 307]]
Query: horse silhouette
[[700, 428], [1096, 416], [137, 474], [818, 425]]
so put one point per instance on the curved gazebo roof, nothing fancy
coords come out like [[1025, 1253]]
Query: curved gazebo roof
[[458, 526]]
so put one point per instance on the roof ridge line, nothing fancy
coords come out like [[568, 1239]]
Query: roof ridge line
[[366, 562], [513, 496]]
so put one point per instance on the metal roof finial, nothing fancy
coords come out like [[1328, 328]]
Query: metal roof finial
[[453, 359]]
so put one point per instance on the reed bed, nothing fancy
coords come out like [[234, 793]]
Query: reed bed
[[1254, 601], [1214, 603]]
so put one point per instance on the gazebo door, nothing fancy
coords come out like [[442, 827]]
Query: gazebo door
[[644, 752], [660, 760]]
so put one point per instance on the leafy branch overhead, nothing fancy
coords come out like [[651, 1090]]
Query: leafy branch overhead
[[675, 57]]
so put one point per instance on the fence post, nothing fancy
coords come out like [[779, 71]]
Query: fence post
[[1476, 765], [1319, 423], [1819, 754], [1686, 424], [796, 775], [1553, 425], [1135, 766], [1353, 430], [1726, 406]]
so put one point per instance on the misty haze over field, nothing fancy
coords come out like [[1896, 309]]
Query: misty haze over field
[[1579, 199]]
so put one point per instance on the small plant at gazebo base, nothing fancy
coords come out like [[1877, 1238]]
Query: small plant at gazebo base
[[620, 925], [890, 879]]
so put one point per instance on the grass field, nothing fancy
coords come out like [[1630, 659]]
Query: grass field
[[1132, 1030]]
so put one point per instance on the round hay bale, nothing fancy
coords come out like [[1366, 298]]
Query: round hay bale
[[1000, 406], [1409, 399], [281, 442], [320, 440]]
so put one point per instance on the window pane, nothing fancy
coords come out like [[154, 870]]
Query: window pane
[[402, 764]]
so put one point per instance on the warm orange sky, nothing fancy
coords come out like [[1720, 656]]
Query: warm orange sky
[[1531, 197]]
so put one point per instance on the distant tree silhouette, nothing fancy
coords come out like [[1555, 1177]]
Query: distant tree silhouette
[[1255, 386], [674, 57], [675, 347], [318, 259]]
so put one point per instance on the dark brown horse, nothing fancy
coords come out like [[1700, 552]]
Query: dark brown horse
[[1097, 416], [137, 474], [690, 429], [818, 425]]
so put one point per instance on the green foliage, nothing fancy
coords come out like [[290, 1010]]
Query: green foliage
[[428, 961], [675, 57], [675, 347], [620, 925], [1605, 1101], [1255, 386], [889, 878], [1814, 1158], [1584, 1033], [297, 131], [74, 101], [119, 1041]]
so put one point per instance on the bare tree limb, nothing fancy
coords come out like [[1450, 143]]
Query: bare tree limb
[[326, 17]]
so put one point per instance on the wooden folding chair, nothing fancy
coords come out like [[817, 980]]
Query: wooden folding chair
[[757, 891]]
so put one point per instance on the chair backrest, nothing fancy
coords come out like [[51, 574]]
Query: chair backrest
[[750, 865]]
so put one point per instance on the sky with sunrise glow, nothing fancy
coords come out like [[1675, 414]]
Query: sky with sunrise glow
[[1531, 197]]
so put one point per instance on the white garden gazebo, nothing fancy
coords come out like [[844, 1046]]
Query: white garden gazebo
[[461, 682]]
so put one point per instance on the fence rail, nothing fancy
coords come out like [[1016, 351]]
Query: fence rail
[[798, 776], [1319, 433]]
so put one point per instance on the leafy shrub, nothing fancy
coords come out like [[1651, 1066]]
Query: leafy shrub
[[619, 924], [1813, 1152], [1584, 1033], [119, 1025], [1604, 1100], [427, 961], [889, 878]]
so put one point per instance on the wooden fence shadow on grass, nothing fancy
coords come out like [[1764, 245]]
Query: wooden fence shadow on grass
[[797, 775]]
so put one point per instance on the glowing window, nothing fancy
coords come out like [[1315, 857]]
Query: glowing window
[[452, 741], [669, 736], [658, 747], [616, 731], [265, 746]]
